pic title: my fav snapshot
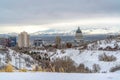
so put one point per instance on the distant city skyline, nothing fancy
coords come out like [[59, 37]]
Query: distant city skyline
[[39, 15]]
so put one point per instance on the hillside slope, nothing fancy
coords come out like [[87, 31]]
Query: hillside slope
[[104, 53], [17, 60], [109, 49]]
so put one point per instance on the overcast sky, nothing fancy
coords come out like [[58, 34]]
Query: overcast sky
[[36, 15]]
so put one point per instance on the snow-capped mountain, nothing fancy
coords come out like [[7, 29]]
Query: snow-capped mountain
[[71, 31], [13, 34], [85, 31], [8, 35], [54, 32]]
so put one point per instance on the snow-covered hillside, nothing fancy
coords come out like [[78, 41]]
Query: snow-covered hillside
[[92, 53], [89, 56], [17, 60], [108, 44]]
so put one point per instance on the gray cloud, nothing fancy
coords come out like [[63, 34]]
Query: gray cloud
[[49, 11]]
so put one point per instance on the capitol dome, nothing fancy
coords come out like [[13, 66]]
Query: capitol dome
[[78, 36], [78, 30]]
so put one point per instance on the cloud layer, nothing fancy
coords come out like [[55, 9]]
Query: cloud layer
[[23, 13], [49, 11]]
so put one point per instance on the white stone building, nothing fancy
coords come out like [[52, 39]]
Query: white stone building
[[79, 37]]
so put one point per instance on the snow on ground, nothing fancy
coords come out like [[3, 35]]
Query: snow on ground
[[104, 43], [90, 56], [17, 60], [58, 76]]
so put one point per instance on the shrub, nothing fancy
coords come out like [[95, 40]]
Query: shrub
[[61, 70], [82, 69], [8, 58], [8, 68], [116, 68], [96, 68], [68, 45], [23, 70], [64, 65], [107, 58], [38, 68], [2, 70], [62, 51]]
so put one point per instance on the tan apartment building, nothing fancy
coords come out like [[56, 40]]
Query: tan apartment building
[[23, 39]]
